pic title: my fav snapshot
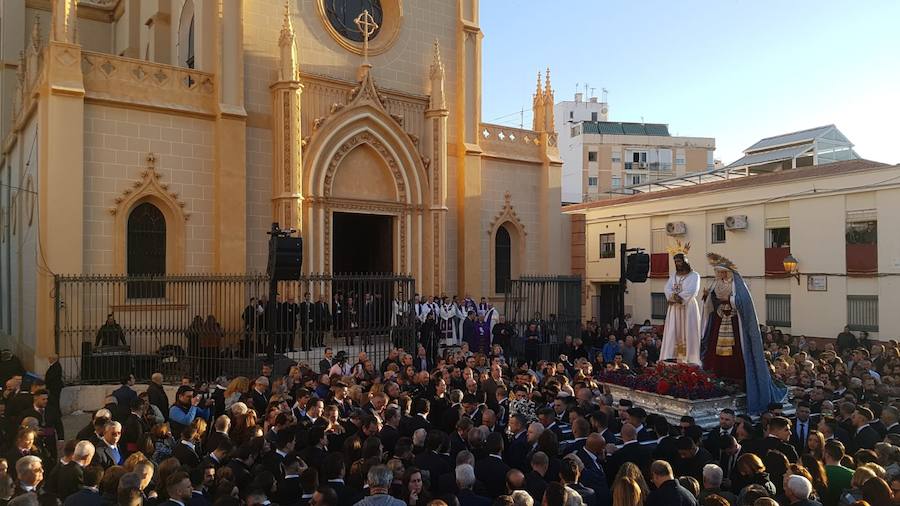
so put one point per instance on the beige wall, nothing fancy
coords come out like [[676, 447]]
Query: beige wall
[[116, 143], [817, 222]]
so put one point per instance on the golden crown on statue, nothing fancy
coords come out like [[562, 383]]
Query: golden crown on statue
[[679, 248]]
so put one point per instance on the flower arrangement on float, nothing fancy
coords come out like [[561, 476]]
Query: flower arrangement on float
[[684, 381]]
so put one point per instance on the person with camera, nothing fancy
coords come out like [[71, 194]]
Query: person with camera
[[187, 407]]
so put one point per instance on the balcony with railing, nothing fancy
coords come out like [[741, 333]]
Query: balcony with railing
[[112, 78]]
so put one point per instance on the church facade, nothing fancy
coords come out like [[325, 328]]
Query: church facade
[[165, 136]]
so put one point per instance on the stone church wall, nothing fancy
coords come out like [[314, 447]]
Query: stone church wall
[[521, 181], [116, 144]]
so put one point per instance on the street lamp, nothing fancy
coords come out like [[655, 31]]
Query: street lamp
[[790, 267]]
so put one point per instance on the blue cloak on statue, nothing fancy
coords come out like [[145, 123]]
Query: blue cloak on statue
[[761, 389]]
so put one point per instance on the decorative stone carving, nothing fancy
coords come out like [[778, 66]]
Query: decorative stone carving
[[148, 185], [353, 142], [507, 213]]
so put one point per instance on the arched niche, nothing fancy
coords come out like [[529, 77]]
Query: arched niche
[[363, 174]]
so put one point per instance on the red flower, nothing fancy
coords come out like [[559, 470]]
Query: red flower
[[662, 387]]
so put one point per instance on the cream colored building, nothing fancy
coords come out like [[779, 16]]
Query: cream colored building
[[837, 220], [602, 157], [222, 116]]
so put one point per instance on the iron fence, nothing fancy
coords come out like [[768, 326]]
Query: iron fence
[[552, 304], [202, 326]]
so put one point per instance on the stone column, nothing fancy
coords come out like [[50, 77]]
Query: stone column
[[230, 180], [468, 151], [436, 147], [287, 190], [60, 171]]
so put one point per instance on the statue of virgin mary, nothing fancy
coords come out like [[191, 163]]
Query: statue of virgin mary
[[731, 345]]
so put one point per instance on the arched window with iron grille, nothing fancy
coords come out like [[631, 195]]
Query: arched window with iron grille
[[502, 259], [146, 250]]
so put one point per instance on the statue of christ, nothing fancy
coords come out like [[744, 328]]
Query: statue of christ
[[681, 335]]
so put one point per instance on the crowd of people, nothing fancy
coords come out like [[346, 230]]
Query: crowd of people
[[469, 427]]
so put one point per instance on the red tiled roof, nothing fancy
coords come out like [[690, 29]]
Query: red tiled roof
[[784, 176]]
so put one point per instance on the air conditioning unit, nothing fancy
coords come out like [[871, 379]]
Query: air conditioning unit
[[736, 222], [676, 228], [642, 165]]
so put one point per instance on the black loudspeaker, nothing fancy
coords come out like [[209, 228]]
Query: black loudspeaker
[[637, 267], [285, 258]]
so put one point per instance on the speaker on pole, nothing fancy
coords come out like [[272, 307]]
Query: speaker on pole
[[285, 255]]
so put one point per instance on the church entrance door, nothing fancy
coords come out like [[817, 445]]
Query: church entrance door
[[363, 243]]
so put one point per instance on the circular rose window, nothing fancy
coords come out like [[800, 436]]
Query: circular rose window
[[339, 18]]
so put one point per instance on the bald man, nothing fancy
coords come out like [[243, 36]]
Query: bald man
[[630, 451], [157, 395], [593, 475]]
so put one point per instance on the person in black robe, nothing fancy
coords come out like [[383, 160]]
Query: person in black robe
[[110, 334], [430, 335], [321, 321], [54, 381], [306, 321]]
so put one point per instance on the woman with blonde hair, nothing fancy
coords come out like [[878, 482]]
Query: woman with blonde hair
[[163, 442], [632, 471], [626, 492], [237, 388], [861, 475]]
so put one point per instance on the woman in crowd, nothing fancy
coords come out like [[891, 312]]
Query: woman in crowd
[[749, 470]]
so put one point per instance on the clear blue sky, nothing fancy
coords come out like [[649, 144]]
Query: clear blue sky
[[734, 70]]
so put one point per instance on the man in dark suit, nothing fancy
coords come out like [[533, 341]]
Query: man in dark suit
[[306, 316], [592, 476], [258, 394], [801, 424], [134, 427], [637, 416], [491, 469], [432, 459], [776, 438], [201, 478], [465, 480], [186, 449], [70, 477], [535, 483], [419, 420], [179, 488], [630, 451], [289, 488], [728, 455], [54, 382], [580, 430], [569, 474], [713, 442], [107, 452], [88, 493], [124, 395], [518, 447], [219, 433], [389, 433], [218, 457], [272, 461], [327, 361], [240, 464], [865, 436], [691, 458], [316, 448], [321, 321], [890, 416], [157, 394], [333, 470], [668, 492]]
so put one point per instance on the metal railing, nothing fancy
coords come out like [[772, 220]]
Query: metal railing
[[202, 326], [552, 304]]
